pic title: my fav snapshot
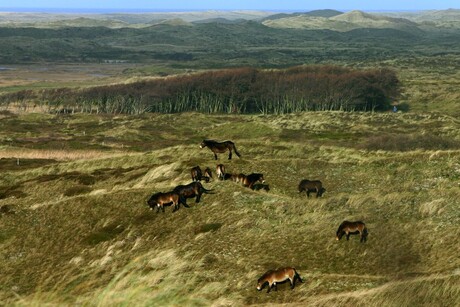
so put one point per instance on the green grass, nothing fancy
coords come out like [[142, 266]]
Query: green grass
[[82, 232]]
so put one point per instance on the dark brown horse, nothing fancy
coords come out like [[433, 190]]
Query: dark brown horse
[[228, 176], [194, 189], [348, 228], [220, 147], [251, 179], [197, 175], [261, 186], [310, 186], [220, 171], [273, 277], [160, 200]]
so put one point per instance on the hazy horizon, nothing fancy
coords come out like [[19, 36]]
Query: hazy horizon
[[82, 6], [143, 10]]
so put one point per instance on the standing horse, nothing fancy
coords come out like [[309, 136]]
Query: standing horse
[[309, 186], [159, 200], [273, 277], [220, 147], [194, 189], [349, 228]]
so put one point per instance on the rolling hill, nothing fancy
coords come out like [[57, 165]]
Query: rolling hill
[[75, 227], [343, 22]]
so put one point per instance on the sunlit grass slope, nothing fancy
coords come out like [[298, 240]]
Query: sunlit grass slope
[[76, 230]]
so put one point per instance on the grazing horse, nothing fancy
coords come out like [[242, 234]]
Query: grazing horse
[[194, 189], [160, 200], [207, 174], [349, 228], [197, 175], [220, 147], [261, 186], [251, 179], [238, 177], [309, 186], [228, 176], [273, 277], [220, 171]]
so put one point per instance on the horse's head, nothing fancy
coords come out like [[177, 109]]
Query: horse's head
[[152, 202], [260, 178], [339, 234], [204, 144], [261, 283]]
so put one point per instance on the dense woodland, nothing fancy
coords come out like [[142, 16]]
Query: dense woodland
[[243, 90]]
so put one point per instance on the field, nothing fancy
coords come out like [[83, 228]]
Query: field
[[75, 227]]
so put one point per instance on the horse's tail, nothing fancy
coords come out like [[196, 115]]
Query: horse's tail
[[204, 190], [236, 152], [365, 232], [296, 275]]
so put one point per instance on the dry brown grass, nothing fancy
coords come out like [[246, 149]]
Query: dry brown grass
[[58, 155]]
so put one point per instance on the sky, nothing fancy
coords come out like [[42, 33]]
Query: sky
[[269, 5]]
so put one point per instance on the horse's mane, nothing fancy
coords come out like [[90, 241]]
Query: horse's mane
[[268, 273]]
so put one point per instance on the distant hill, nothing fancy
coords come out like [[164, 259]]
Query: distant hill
[[324, 13], [85, 22], [445, 18], [174, 22], [342, 22], [315, 13], [220, 20], [366, 20]]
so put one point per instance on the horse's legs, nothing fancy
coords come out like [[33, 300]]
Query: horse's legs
[[292, 281], [269, 287], [308, 193], [363, 237], [215, 156], [276, 286], [230, 154], [348, 235]]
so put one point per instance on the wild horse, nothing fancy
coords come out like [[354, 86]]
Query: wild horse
[[193, 189], [273, 277], [220, 147], [347, 228]]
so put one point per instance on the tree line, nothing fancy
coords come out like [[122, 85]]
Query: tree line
[[241, 90]]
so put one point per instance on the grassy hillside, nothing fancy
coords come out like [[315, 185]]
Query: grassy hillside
[[75, 228]]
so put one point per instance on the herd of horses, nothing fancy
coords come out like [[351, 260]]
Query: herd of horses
[[254, 181]]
